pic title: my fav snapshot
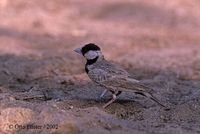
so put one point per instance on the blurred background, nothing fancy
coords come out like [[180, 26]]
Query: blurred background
[[37, 37], [162, 33]]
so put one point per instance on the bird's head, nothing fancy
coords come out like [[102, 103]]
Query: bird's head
[[90, 51]]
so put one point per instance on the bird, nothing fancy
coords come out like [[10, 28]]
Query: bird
[[111, 76]]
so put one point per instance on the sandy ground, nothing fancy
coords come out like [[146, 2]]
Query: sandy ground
[[42, 80]]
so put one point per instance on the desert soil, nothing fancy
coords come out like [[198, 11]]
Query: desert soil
[[43, 83]]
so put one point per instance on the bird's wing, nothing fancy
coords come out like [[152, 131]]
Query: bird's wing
[[127, 84], [108, 79], [99, 75]]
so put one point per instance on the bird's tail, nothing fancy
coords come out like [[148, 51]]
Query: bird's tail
[[149, 95], [138, 88]]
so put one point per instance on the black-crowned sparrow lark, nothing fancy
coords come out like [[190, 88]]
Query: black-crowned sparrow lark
[[111, 76]]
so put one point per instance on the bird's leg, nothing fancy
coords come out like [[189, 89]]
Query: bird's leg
[[103, 93], [114, 97]]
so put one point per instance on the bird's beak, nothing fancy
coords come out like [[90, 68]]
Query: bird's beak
[[78, 50]]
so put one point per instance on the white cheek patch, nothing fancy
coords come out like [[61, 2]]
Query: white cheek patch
[[91, 55]]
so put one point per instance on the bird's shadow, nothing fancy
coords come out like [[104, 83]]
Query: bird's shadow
[[99, 102]]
